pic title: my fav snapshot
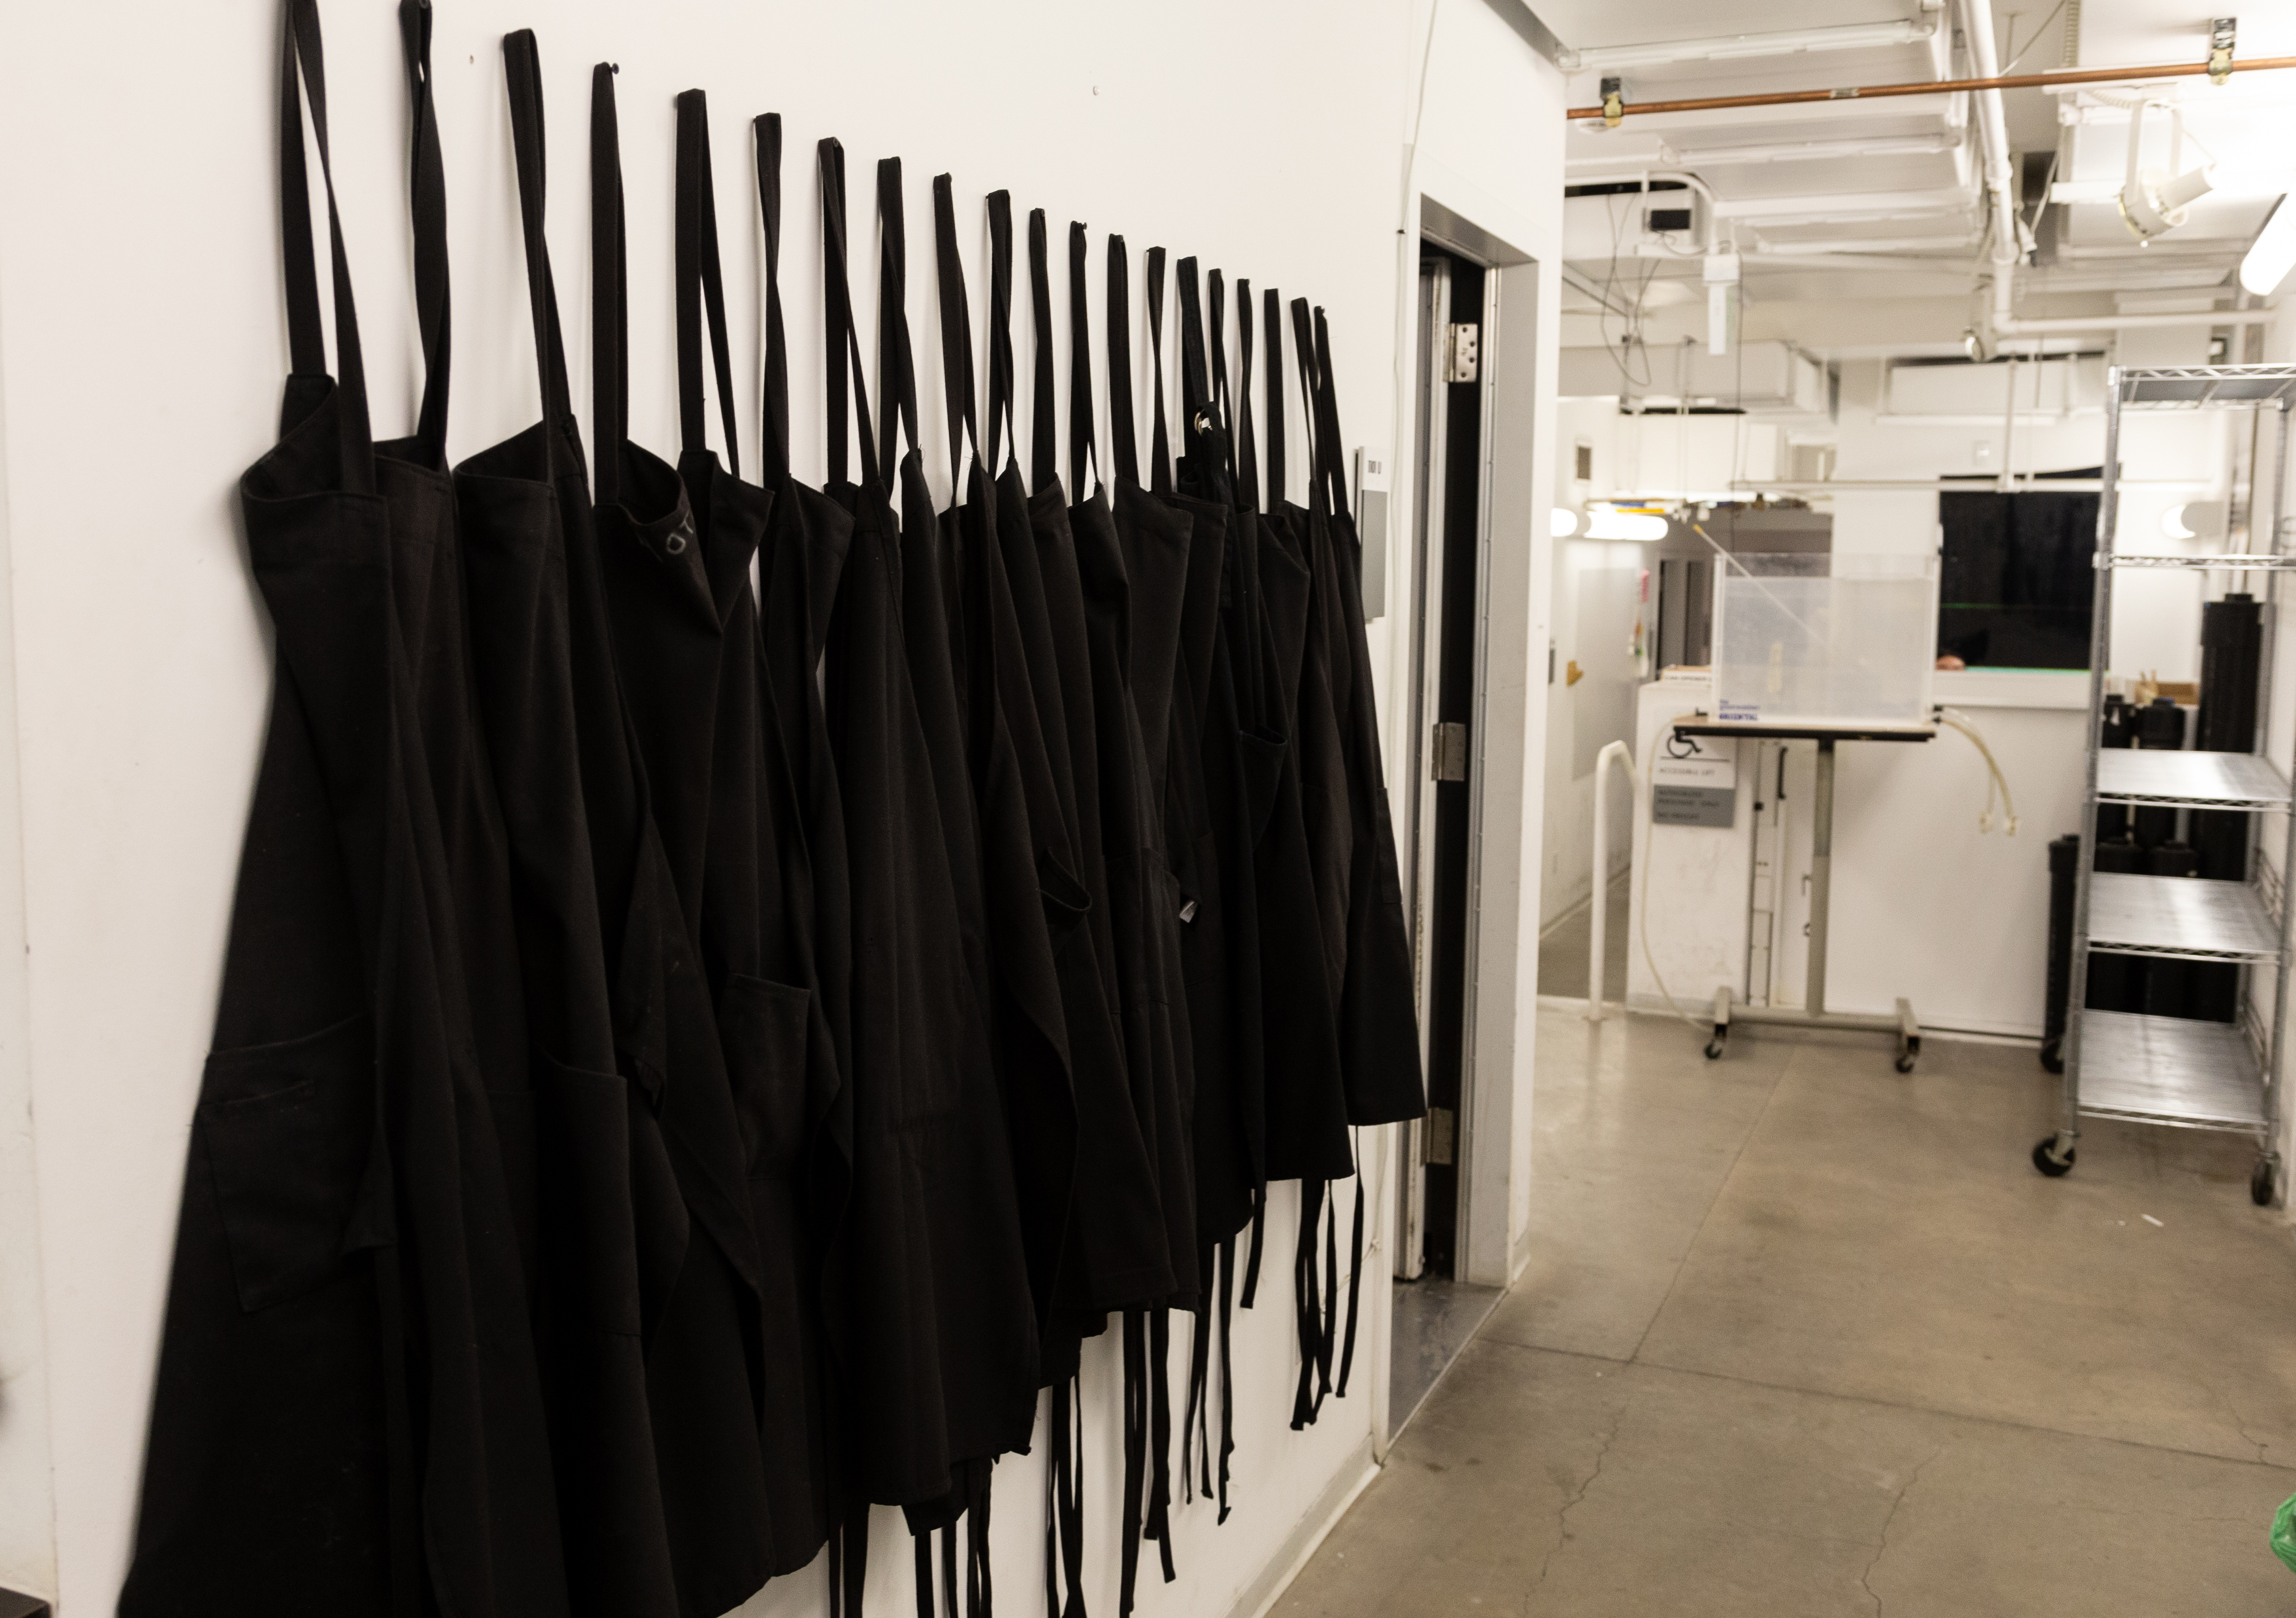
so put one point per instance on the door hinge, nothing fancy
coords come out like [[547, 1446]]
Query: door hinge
[[1441, 1136], [1447, 753], [1461, 353]]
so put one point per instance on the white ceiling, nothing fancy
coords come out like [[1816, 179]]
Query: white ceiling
[[1882, 198]]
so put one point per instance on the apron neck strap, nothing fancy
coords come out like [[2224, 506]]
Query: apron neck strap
[[1247, 478], [1303, 339], [523, 72], [956, 338], [837, 298], [700, 283], [303, 75], [896, 369], [1274, 306], [1121, 431], [1000, 328], [1044, 453], [1223, 400], [610, 307], [1333, 456], [1159, 443], [1083, 454], [1196, 390], [773, 430], [427, 195]]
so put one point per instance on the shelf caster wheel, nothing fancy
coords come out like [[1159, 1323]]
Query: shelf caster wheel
[[1905, 1061], [1714, 1049], [2052, 1055], [2260, 1181], [2045, 1158]]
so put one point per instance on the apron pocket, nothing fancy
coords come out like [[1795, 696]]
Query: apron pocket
[[764, 1027], [583, 1133], [287, 1132]]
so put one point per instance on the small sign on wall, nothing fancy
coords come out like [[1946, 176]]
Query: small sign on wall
[[1694, 782]]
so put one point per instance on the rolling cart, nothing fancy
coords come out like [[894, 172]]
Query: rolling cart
[[2175, 1071], [1813, 1014]]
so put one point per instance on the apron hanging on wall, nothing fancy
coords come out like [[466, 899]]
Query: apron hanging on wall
[[1114, 1256], [1243, 756], [348, 1412], [1379, 1024], [1036, 902], [800, 561], [940, 1343], [760, 974], [1152, 538], [615, 1228], [644, 599]]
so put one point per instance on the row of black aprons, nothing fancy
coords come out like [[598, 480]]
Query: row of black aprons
[[731, 982]]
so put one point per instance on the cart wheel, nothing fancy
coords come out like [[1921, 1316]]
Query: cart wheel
[[1714, 1048], [2259, 1182], [2052, 1055], [1905, 1061], [2045, 1158]]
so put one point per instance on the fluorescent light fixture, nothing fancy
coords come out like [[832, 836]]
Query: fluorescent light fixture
[[2272, 254], [1563, 522], [1609, 522]]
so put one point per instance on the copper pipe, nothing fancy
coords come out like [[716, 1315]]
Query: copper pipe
[[2007, 81]]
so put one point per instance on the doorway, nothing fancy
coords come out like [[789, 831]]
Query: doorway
[[1436, 1309], [1450, 451]]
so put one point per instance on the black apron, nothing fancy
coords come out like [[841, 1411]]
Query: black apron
[[611, 1208], [755, 948], [1115, 1255], [940, 1341], [348, 1416], [1378, 1025], [1036, 902], [800, 560], [1243, 754], [1153, 539], [645, 632]]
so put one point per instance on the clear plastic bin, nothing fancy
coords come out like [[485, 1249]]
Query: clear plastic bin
[[1803, 639]]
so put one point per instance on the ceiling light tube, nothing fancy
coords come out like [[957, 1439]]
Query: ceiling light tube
[[1609, 522], [2272, 253], [1785, 42]]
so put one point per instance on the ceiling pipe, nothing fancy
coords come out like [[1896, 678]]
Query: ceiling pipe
[[1993, 128], [1724, 47], [2005, 326], [1939, 87]]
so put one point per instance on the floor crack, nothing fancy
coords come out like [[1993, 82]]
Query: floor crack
[[1562, 1517], [1865, 1579]]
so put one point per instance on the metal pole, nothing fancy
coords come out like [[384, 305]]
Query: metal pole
[[1613, 751], [1821, 876], [2100, 653], [2288, 853]]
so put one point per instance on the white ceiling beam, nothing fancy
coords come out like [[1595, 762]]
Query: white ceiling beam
[[1727, 47]]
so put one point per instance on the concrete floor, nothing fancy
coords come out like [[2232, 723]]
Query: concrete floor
[[1800, 1336], [1562, 948]]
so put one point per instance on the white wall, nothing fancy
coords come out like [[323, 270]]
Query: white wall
[[142, 338]]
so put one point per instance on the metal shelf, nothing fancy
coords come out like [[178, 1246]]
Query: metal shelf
[[2253, 562], [2170, 1070], [2184, 918], [2197, 386], [2205, 781]]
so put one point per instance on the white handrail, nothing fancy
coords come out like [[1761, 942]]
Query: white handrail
[[1619, 751]]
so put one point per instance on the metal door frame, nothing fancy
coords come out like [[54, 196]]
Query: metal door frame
[[1427, 566]]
